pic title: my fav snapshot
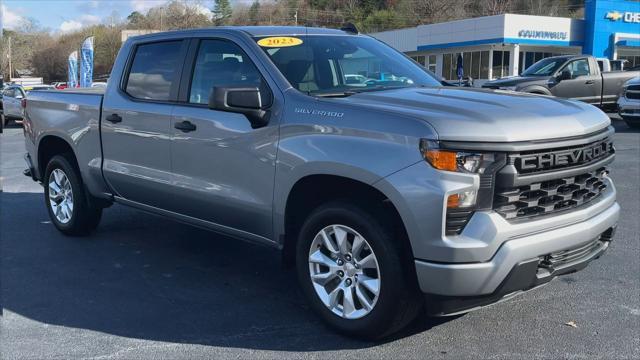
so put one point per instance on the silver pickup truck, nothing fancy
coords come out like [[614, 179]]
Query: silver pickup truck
[[387, 196]]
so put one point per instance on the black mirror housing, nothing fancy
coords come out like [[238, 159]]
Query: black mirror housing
[[242, 100], [564, 75]]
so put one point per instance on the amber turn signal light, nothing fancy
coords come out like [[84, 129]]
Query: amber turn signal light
[[441, 159], [453, 201]]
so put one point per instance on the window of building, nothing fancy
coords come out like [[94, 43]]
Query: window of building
[[428, 61], [500, 63], [220, 63], [153, 70], [419, 59], [475, 64], [431, 63], [632, 60], [446, 66]]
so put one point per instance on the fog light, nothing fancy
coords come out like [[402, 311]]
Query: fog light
[[464, 199]]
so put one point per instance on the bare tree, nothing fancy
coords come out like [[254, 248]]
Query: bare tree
[[495, 7]]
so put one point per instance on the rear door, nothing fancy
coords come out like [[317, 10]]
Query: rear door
[[585, 83], [224, 168], [136, 123]]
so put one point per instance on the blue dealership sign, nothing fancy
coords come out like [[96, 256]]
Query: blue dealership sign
[[604, 19], [72, 70], [86, 65]]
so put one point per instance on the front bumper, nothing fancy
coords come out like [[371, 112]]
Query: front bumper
[[522, 242], [629, 109], [525, 275]]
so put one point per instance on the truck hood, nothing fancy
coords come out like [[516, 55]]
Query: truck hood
[[468, 114], [516, 80]]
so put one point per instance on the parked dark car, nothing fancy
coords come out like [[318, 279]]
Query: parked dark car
[[572, 76]]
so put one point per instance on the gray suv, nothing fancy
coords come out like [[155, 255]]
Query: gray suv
[[388, 195]]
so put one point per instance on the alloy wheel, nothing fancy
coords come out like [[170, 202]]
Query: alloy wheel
[[60, 196], [344, 271]]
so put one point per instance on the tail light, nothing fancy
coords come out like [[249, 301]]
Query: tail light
[[23, 103]]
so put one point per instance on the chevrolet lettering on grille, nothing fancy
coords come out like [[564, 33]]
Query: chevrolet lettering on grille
[[565, 158]]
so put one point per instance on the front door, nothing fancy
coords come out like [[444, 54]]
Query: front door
[[584, 85], [11, 102], [224, 169], [136, 124]]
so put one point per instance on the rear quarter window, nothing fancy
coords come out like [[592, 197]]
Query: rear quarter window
[[153, 70]]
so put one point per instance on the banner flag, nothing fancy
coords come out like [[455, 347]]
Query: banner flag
[[72, 71], [86, 65]]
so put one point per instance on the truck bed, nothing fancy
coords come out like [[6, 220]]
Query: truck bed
[[73, 115]]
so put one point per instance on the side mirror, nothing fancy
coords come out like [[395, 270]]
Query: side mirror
[[242, 100], [564, 75]]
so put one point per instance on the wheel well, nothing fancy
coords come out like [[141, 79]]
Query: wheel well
[[312, 191], [49, 147]]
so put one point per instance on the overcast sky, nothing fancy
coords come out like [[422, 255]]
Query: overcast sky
[[69, 15]]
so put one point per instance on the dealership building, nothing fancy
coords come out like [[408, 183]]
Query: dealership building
[[505, 45]]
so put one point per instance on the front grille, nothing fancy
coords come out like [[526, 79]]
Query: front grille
[[633, 92], [550, 196]]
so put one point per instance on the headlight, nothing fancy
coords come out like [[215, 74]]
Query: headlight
[[451, 160], [483, 164], [510, 88]]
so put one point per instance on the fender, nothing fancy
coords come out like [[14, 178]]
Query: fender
[[536, 89]]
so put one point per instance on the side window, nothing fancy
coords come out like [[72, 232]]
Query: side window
[[153, 70], [221, 63], [578, 68]]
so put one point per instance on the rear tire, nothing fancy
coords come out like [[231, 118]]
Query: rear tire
[[66, 200], [398, 299], [5, 120]]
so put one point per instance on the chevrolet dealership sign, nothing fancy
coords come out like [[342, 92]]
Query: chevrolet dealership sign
[[628, 16], [539, 34]]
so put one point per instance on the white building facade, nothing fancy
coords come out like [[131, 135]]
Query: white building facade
[[505, 45], [492, 46]]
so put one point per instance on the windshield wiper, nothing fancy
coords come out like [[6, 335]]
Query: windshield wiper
[[332, 94]]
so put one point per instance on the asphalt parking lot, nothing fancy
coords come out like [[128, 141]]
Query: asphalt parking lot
[[145, 287]]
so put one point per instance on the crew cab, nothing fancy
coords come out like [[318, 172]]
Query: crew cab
[[571, 76], [387, 197]]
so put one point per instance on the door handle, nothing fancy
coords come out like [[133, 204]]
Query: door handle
[[589, 82], [114, 118], [185, 126]]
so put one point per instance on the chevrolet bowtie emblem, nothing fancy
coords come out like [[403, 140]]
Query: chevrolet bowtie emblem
[[613, 16]]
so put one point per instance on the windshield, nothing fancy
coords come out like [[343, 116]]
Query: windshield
[[544, 67], [325, 65]]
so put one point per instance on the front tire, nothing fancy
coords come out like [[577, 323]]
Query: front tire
[[353, 271], [66, 199]]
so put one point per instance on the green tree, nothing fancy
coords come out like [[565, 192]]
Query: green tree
[[222, 12], [135, 18], [381, 20], [254, 12]]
